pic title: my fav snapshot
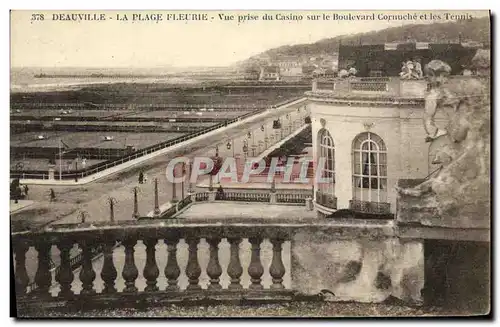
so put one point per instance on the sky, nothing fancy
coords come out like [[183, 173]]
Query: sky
[[216, 42]]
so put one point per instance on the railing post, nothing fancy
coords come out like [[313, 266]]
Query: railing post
[[65, 275], [22, 279], [172, 270], [277, 269], [87, 274], [151, 271], [255, 269], [108, 273], [234, 269], [43, 277], [214, 269], [193, 270], [130, 271]]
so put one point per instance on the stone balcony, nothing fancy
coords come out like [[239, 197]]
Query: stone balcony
[[394, 89]]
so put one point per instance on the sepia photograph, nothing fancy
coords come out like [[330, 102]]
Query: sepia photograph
[[278, 164]]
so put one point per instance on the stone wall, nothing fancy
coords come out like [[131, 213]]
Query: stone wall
[[361, 270]]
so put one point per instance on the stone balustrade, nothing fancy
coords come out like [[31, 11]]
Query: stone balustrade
[[386, 87], [281, 259], [377, 208], [107, 236]]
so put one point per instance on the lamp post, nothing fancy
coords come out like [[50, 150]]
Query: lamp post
[[83, 216], [174, 189], [183, 176], [112, 202], [136, 215], [245, 149], [190, 185], [229, 145], [157, 206]]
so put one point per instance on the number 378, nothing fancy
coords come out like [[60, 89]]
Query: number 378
[[37, 17]]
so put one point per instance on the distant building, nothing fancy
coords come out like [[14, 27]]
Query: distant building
[[385, 59], [324, 73], [290, 69], [252, 73], [269, 73]]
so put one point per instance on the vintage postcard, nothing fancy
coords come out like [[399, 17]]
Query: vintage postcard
[[250, 163]]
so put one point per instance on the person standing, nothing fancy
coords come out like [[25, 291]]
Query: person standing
[[52, 195], [141, 177], [26, 189]]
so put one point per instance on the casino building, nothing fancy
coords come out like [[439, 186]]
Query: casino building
[[370, 129]]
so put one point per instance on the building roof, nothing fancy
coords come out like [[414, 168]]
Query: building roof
[[271, 69]]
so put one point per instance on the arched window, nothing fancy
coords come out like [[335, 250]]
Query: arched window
[[327, 151], [369, 168]]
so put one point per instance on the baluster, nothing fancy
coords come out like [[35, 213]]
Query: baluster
[[43, 277], [22, 279], [172, 270], [65, 275], [130, 271], [109, 273], [193, 270], [87, 274], [151, 271], [255, 269], [214, 269], [277, 269], [234, 269]]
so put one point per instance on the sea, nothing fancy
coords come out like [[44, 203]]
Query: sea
[[67, 78]]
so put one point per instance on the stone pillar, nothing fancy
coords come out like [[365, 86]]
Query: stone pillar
[[51, 173], [210, 183], [272, 198], [309, 204]]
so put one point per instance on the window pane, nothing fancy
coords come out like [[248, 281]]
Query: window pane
[[373, 170], [356, 156], [357, 182], [383, 183], [329, 164], [383, 170], [383, 158], [357, 168]]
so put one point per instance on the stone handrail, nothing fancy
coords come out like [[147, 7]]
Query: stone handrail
[[386, 87], [247, 197], [370, 207], [150, 233], [299, 198]]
